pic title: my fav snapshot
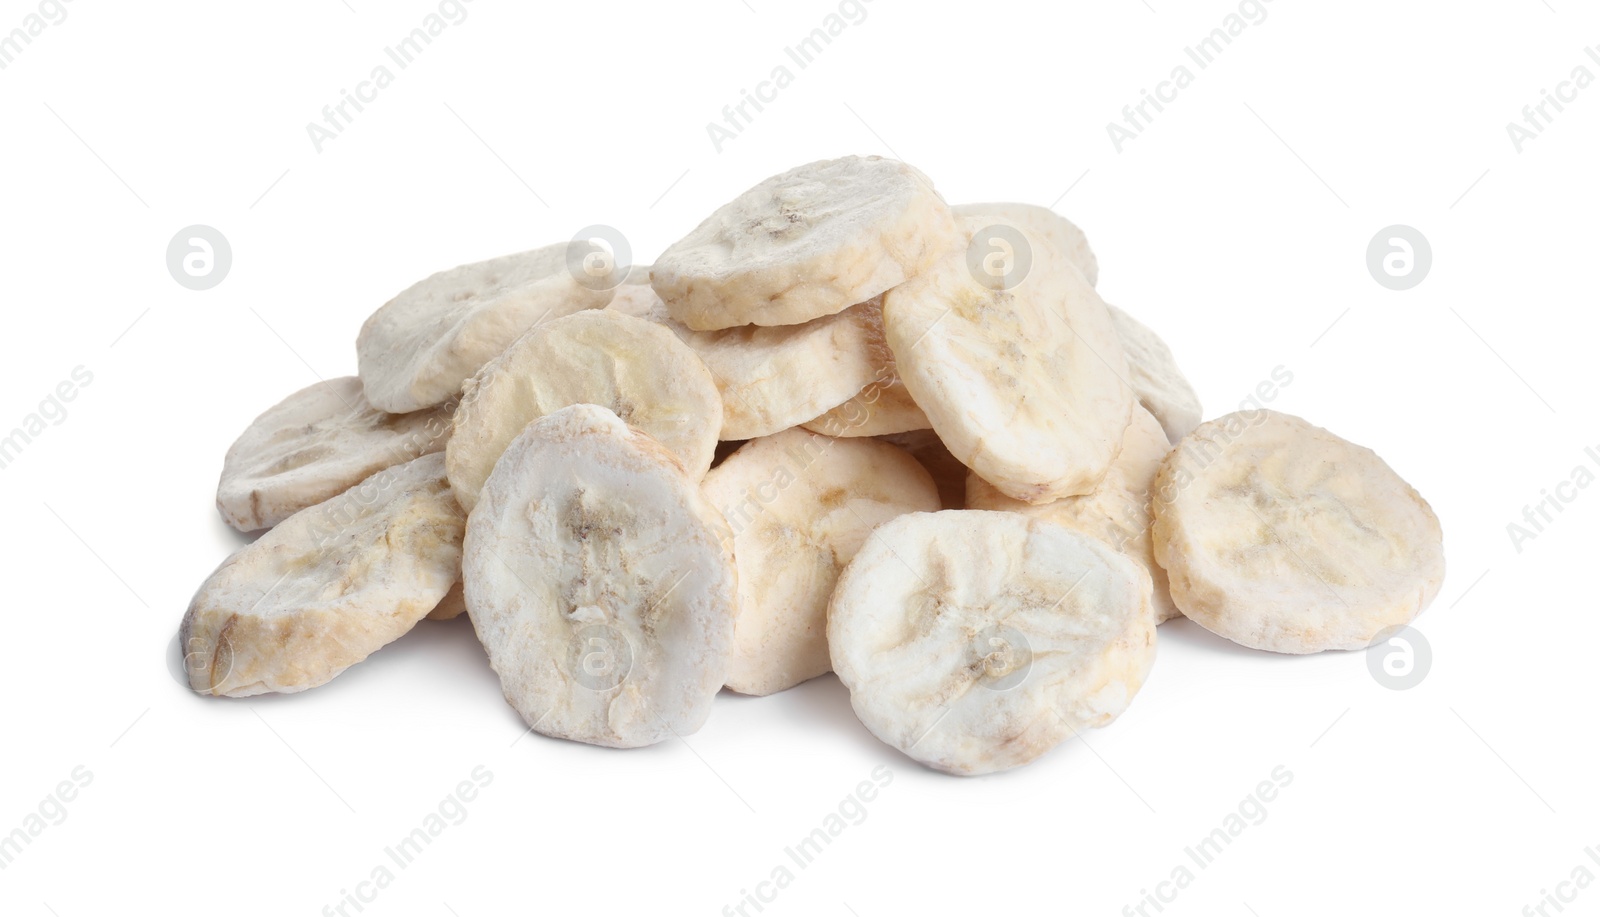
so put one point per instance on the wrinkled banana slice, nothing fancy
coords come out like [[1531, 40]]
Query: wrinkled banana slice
[[1043, 222], [949, 475], [1117, 512], [599, 581], [800, 505], [884, 406], [772, 379], [976, 641], [452, 606], [315, 445], [810, 242], [1155, 376], [632, 367], [1016, 362], [1281, 536], [328, 587], [417, 349]]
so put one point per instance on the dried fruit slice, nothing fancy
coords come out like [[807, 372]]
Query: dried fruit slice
[[315, 445], [632, 367], [800, 506], [599, 581], [1155, 376], [417, 349], [810, 242], [976, 641], [1017, 365], [884, 406], [1281, 536], [1117, 512], [1044, 223], [772, 379], [328, 587]]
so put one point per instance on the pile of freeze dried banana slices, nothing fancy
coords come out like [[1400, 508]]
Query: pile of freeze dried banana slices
[[840, 426]]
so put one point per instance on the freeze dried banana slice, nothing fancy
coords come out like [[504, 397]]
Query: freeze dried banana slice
[[327, 587], [1281, 536], [1117, 512], [800, 506], [599, 581], [314, 445], [976, 641], [1160, 385], [772, 379], [1016, 362], [632, 367], [949, 475], [884, 406], [452, 606], [810, 242], [1043, 222], [419, 347]]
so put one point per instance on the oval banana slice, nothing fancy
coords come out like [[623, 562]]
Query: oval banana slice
[[417, 350], [1159, 384], [315, 445], [772, 379], [976, 641], [810, 242], [1016, 363], [329, 586], [634, 368], [1044, 223], [600, 583], [1117, 512], [1281, 536], [800, 506], [949, 475]]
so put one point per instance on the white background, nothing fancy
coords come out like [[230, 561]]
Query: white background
[[1236, 225]]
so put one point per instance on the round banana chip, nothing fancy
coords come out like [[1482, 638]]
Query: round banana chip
[[634, 368], [452, 606], [1042, 222], [800, 506], [315, 445], [884, 406], [1281, 536], [810, 242], [1117, 512], [419, 347], [599, 581], [1159, 384], [976, 641], [772, 379], [1016, 362], [328, 587]]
